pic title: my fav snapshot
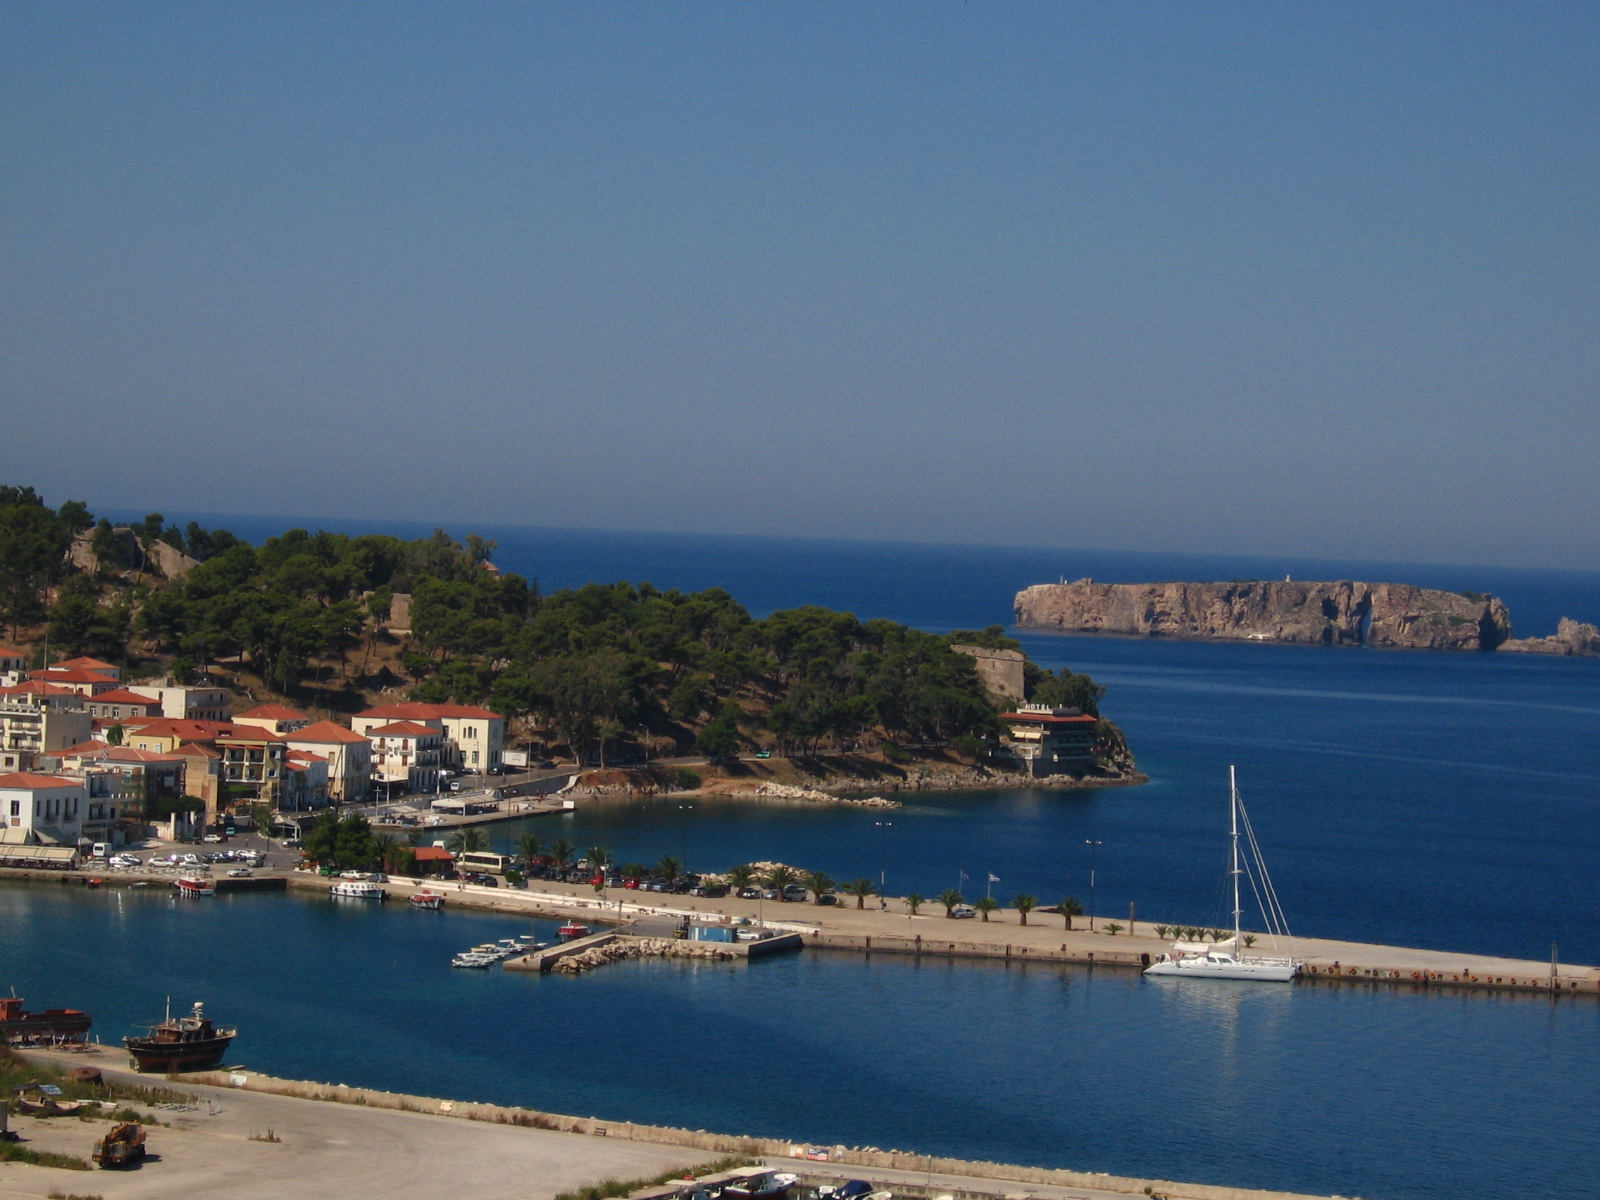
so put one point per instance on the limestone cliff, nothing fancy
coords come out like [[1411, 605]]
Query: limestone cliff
[[1329, 614], [1570, 638]]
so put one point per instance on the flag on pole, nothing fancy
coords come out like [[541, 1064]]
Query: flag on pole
[[994, 879], [965, 877]]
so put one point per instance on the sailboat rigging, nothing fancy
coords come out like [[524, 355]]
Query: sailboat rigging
[[1225, 959]]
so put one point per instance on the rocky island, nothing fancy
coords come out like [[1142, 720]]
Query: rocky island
[[1342, 613]]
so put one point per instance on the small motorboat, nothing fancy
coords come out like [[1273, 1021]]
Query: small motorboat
[[760, 1184], [357, 889], [428, 901], [573, 929], [193, 885], [473, 960]]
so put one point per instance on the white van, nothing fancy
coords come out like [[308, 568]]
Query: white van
[[101, 850]]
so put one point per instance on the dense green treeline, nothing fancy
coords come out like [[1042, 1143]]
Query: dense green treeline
[[598, 666]]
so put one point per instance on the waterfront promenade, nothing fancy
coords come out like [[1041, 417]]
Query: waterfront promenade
[[892, 929]]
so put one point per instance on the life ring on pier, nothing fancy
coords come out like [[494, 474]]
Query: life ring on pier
[[1350, 971], [1416, 975]]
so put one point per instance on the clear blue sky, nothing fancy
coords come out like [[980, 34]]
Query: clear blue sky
[[1300, 278]]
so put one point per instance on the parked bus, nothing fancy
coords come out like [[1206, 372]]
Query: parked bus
[[477, 860]]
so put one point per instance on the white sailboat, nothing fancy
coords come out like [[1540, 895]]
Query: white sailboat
[[1225, 959]]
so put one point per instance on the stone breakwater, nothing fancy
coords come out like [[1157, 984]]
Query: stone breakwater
[[1327, 614], [784, 791], [623, 948]]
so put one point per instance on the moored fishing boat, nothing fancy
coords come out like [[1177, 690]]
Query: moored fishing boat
[[53, 1024], [194, 885], [357, 889], [573, 929], [177, 1044], [428, 901]]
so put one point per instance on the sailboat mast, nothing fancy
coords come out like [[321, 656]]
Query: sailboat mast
[[1233, 824]]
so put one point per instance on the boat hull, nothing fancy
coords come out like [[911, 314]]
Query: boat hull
[[1267, 972], [175, 1058], [65, 1023]]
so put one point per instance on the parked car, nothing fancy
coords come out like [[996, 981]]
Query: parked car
[[795, 894], [750, 893], [212, 837], [963, 910], [763, 753], [827, 898]]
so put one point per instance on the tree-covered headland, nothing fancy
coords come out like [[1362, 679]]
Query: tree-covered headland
[[603, 671]]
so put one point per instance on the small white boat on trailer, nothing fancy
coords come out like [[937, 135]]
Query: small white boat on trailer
[[1224, 959]]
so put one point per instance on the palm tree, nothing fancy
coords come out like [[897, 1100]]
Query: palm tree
[[468, 841], [600, 857], [819, 884], [860, 889], [950, 898], [740, 877], [668, 868], [986, 905], [561, 852], [529, 848], [1070, 908], [915, 901], [781, 877], [635, 871], [1025, 904]]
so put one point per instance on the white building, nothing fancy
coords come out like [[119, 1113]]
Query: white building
[[36, 718], [41, 809], [474, 738], [187, 703]]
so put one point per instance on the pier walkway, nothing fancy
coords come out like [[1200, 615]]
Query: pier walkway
[[893, 930]]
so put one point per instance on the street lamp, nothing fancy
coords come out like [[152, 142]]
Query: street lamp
[[1092, 846], [883, 854], [685, 809]]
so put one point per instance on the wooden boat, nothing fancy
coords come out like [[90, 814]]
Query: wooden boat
[[430, 901], [55, 1024], [193, 885], [177, 1044]]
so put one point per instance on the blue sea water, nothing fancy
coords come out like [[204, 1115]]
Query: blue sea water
[[1430, 799], [1376, 1093]]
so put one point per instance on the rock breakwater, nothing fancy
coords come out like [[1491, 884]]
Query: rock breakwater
[[623, 948], [1329, 614]]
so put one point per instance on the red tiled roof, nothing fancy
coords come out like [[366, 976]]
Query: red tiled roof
[[92, 746], [124, 696], [305, 756], [88, 664], [1049, 718], [71, 675], [28, 779], [432, 854], [414, 710], [195, 750], [325, 731], [35, 688], [249, 733], [187, 730], [404, 729], [273, 712], [11, 652]]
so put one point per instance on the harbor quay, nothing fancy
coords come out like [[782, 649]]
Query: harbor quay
[[333, 1140], [889, 928], [892, 929]]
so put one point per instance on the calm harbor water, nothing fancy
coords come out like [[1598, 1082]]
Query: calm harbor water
[[1438, 800], [1371, 1093]]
